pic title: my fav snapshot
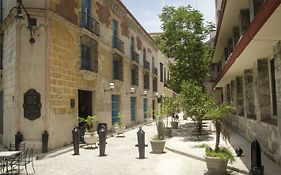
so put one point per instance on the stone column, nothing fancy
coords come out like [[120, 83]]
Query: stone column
[[240, 96], [233, 92], [263, 88], [249, 94]]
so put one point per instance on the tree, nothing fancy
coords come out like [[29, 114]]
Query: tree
[[195, 102], [183, 40]]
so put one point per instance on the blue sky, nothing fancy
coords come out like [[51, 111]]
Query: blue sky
[[147, 11]]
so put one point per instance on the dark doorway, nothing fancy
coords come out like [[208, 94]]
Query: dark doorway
[[84, 109], [85, 103]]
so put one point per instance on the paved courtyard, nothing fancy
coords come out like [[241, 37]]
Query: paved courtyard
[[122, 158]]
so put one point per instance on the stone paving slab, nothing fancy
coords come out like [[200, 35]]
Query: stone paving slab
[[186, 143]]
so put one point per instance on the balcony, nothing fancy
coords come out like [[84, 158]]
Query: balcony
[[135, 56], [90, 24], [155, 71], [146, 64], [118, 44]]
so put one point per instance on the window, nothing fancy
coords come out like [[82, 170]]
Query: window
[[116, 42], [86, 10], [144, 54], [117, 66], [134, 75], [155, 84], [146, 80], [89, 54], [273, 87], [161, 72], [165, 76]]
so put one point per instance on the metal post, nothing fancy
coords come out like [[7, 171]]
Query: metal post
[[141, 143], [256, 166], [75, 140], [102, 140], [18, 139], [45, 138]]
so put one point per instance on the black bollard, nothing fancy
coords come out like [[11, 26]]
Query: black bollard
[[18, 139], [141, 143], [256, 166], [102, 140], [75, 140], [45, 138]]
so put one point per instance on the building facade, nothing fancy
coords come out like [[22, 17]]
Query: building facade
[[60, 60], [247, 62]]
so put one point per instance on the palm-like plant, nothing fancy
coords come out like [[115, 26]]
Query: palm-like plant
[[89, 121], [217, 114]]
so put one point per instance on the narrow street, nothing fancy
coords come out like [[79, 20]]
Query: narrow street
[[121, 159]]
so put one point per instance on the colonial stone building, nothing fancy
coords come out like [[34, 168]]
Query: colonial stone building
[[248, 63], [61, 59]]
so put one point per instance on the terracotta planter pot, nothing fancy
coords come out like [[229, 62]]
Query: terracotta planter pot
[[174, 125], [157, 146], [216, 165]]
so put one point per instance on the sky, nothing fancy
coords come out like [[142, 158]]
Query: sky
[[147, 11]]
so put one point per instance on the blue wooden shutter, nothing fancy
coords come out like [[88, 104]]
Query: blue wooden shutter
[[133, 108], [145, 107], [115, 108], [85, 54], [86, 9]]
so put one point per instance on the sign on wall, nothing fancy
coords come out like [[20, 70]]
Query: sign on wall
[[32, 104]]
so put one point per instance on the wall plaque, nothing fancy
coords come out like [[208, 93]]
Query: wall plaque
[[32, 104]]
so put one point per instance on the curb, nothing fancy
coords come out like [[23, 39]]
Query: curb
[[203, 160]]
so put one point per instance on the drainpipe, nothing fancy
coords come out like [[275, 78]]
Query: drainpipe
[[1, 11]]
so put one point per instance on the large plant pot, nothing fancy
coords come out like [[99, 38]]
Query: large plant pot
[[157, 146], [216, 165], [168, 132], [119, 130], [174, 125], [91, 138]]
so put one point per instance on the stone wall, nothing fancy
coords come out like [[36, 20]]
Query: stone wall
[[265, 127]]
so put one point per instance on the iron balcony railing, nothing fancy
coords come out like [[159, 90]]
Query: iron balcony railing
[[118, 44], [155, 70], [146, 64], [135, 56], [90, 23]]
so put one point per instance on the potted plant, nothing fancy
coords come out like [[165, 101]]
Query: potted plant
[[119, 127], [196, 104], [164, 112], [158, 141], [90, 122], [217, 159]]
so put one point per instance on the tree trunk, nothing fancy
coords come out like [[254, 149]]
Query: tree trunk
[[218, 132]]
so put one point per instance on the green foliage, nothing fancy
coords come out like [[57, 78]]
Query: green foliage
[[194, 100], [204, 145], [222, 153], [158, 137], [183, 40], [119, 119], [89, 121]]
